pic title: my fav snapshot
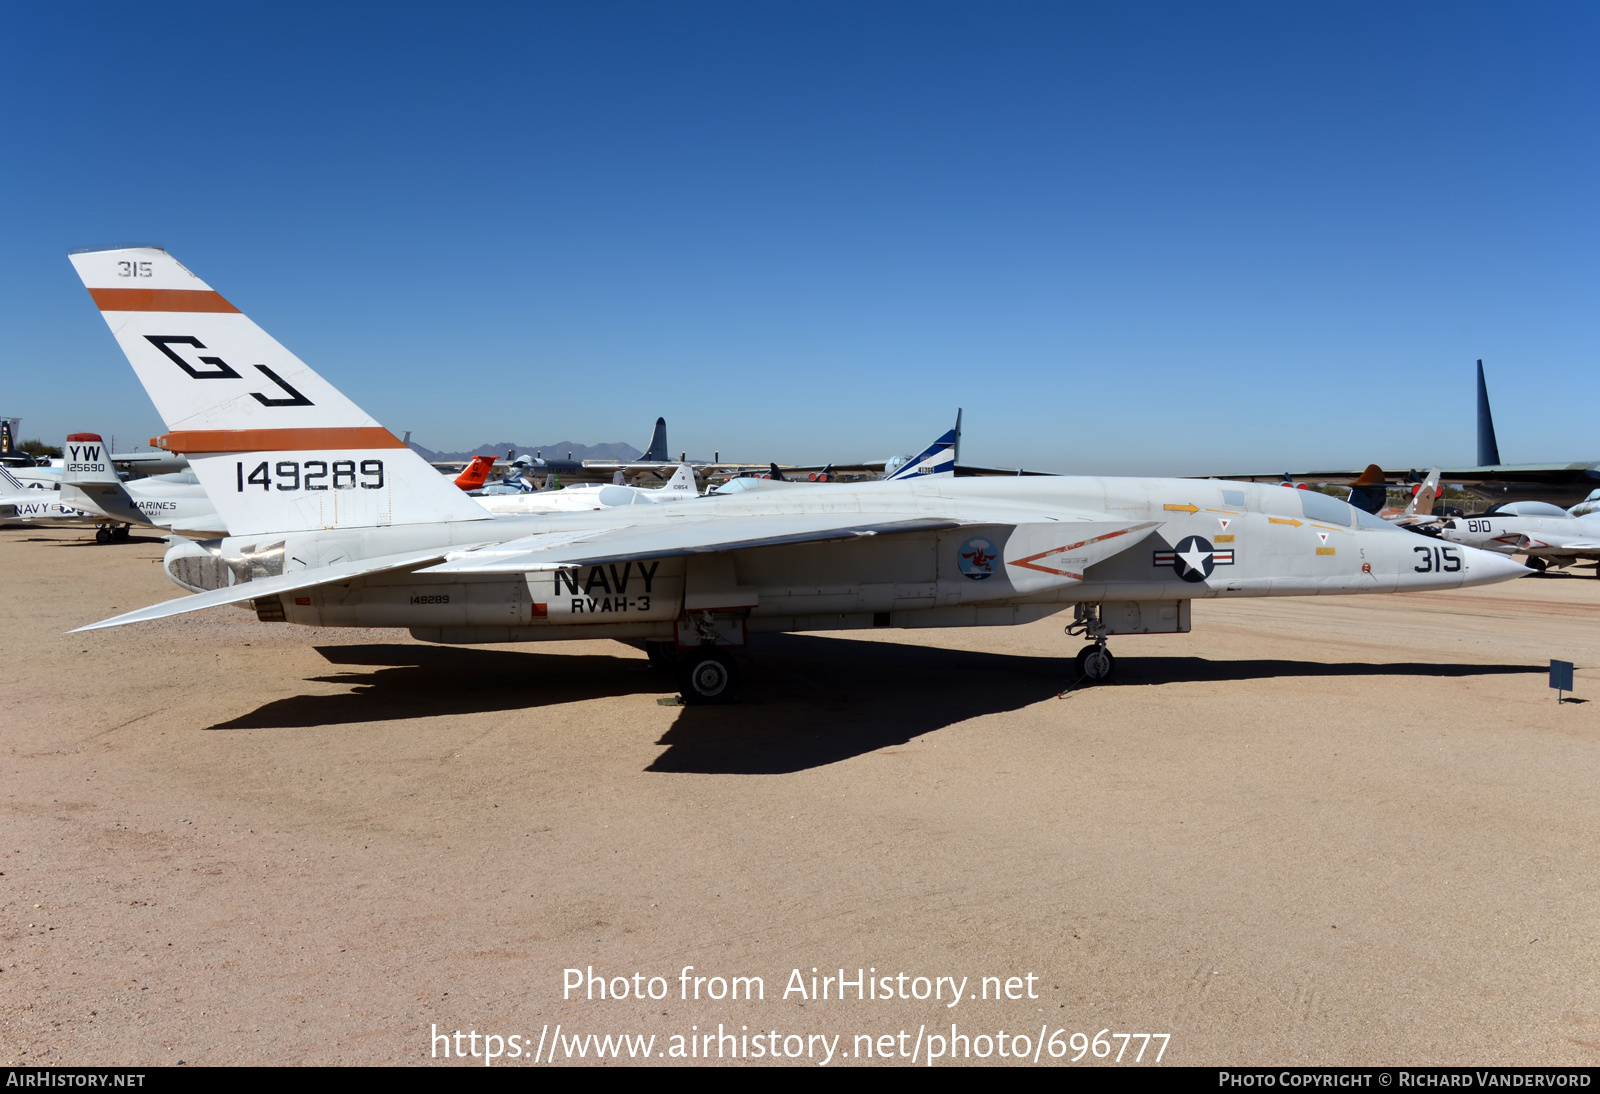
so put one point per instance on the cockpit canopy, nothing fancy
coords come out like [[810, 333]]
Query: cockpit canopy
[[1525, 509]]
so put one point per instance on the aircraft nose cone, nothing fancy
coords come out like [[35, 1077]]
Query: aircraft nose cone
[[1487, 567]]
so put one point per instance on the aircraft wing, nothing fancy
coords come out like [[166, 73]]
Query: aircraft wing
[[1548, 542], [1542, 474], [711, 535], [271, 586], [875, 467], [659, 539]]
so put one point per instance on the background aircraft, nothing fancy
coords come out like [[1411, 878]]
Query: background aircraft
[[476, 473], [588, 496], [36, 506], [1547, 534], [175, 503], [1556, 483], [524, 473]]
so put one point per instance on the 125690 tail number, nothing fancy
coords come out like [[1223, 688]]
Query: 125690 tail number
[[312, 475]]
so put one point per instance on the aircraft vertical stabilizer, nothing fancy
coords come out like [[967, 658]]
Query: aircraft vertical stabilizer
[[1422, 501], [90, 482], [681, 484], [1488, 450], [939, 458], [657, 453], [277, 447]]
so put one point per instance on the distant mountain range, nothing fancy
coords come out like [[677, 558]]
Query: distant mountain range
[[614, 450]]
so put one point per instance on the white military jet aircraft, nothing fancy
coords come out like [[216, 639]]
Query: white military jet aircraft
[[589, 496], [335, 523], [30, 503], [1546, 533]]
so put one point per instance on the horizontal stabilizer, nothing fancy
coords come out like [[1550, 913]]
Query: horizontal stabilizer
[[657, 540], [107, 499], [270, 586]]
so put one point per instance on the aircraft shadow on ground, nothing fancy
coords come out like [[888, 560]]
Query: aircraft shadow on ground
[[88, 540], [407, 681], [808, 700], [1174, 670], [811, 701], [85, 538]]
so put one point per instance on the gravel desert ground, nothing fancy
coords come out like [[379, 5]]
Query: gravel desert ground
[[1343, 830]]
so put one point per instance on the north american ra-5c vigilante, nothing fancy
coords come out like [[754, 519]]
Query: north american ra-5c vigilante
[[334, 523]]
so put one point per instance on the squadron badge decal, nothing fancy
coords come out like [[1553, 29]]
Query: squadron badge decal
[[1194, 558], [977, 558]]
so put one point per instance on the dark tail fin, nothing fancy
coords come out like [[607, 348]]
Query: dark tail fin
[[657, 451], [777, 474], [1488, 450]]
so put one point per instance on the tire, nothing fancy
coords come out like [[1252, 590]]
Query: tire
[[1096, 665], [708, 675], [663, 655], [122, 533], [102, 535], [1537, 564]]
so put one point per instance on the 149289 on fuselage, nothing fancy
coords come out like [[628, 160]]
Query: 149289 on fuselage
[[335, 523]]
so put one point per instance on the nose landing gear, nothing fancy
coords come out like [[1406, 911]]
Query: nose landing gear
[[1094, 662]]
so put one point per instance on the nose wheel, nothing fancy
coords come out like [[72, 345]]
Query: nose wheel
[[1095, 664]]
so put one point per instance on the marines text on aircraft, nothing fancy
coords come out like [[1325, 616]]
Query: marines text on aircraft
[[1548, 535], [335, 523], [174, 503]]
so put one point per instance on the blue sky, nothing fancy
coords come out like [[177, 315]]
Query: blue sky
[[1126, 238]]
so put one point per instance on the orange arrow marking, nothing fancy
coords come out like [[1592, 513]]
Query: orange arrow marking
[[1279, 520], [1190, 509]]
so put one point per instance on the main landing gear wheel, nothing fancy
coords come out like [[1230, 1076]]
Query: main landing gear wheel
[[1096, 665], [102, 535], [663, 655], [708, 675], [121, 533], [1537, 564]]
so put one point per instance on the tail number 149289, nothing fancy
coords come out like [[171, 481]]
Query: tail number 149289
[[312, 475]]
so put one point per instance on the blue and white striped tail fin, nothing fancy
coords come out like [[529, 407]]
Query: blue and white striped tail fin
[[939, 458]]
